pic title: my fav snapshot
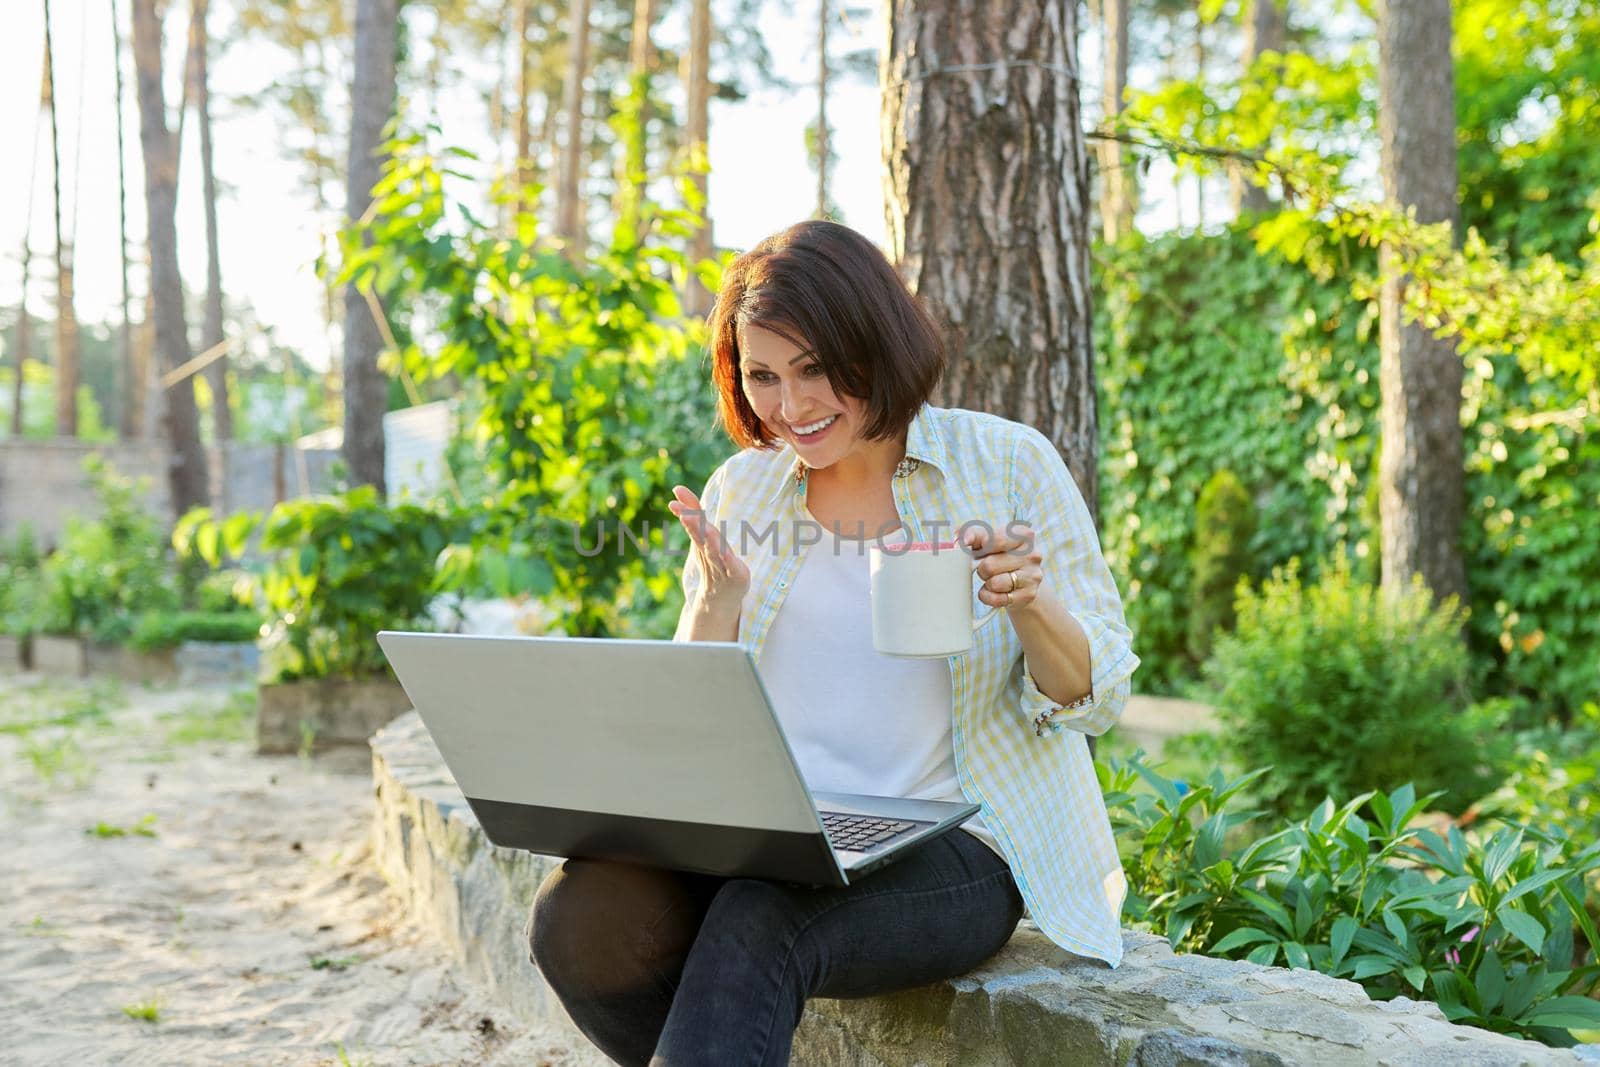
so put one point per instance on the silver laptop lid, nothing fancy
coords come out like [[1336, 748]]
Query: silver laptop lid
[[677, 732]]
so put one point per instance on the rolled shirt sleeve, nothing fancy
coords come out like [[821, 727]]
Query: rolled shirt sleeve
[[1044, 495]]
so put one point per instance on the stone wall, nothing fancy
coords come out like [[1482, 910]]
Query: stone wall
[[42, 482], [1032, 1004]]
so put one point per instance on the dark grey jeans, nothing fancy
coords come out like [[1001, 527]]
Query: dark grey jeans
[[672, 969]]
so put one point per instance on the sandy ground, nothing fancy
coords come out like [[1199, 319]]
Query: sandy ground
[[168, 897]]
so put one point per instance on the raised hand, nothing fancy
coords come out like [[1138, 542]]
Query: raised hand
[[726, 576]]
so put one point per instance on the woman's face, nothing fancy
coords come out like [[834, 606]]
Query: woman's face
[[790, 393]]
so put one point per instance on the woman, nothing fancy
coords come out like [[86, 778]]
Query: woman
[[823, 364]]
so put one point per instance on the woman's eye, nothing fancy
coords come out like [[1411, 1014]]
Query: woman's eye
[[814, 370], [759, 375]]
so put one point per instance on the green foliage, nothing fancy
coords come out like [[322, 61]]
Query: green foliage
[[1340, 688], [1484, 926], [1281, 369], [593, 404], [168, 630], [1213, 357], [1533, 489], [1554, 785], [109, 569], [19, 582], [1225, 524], [1528, 117], [343, 568]]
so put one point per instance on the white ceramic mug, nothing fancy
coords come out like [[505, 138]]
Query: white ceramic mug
[[922, 600]]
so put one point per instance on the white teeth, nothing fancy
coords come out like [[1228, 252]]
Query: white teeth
[[815, 426]]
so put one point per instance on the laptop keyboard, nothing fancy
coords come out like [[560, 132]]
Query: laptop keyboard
[[858, 833]]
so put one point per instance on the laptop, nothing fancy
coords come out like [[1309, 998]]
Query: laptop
[[654, 752]]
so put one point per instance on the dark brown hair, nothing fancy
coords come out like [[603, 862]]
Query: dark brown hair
[[825, 287]]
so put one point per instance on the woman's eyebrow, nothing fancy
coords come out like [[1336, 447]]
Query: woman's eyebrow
[[792, 362]]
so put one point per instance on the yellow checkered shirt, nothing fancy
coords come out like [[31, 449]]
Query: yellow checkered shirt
[[1019, 755]]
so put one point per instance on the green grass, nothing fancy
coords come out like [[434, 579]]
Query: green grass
[[308, 740], [42, 928], [346, 1061], [145, 827], [202, 723], [44, 705], [58, 758], [331, 963], [145, 1010]]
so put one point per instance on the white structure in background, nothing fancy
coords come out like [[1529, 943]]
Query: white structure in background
[[414, 442]]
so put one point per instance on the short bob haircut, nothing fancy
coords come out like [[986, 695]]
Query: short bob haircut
[[826, 288]]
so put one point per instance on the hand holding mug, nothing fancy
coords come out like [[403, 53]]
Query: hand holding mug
[[1010, 564]]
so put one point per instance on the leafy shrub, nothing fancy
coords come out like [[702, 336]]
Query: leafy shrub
[[1484, 926], [1213, 356], [19, 583], [593, 402], [1340, 688], [343, 568], [1281, 369], [1554, 784], [108, 570], [164, 630], [1225, 523]]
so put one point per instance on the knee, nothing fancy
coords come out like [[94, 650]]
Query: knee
[[598, 924], [754, 919]]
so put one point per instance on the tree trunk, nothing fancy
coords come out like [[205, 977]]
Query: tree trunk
[[525, 174], [211, 331], [1119, 190], [366, 390], [568, 214], [697, 134], [1420, 470], [987, 188], [66, 320], [186, 472], [642, 61], [1265, 30], [131, 386], [823, 13]]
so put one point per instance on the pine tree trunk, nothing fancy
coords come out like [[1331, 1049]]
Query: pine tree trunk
[[66, 318], [186, 474], [211, 331], [131, 387], [1118, 186], [987, 195], [1420, 470], [696, 135], [372, 91], [525, 174], [824, 12], [568, 213], [24, 352], [1266, 30]]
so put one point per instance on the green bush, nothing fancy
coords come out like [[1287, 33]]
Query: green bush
[[1340, 688], [590, 398], [1484, 926], [19, 583], [1281, 370], [1225, 524], [155, 631], [342, 568], [108, 570]]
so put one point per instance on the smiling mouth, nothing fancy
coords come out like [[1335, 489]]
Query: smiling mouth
[[814, 429]]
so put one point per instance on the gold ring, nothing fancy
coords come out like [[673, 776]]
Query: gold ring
[[1008, 599], [1013, 588]]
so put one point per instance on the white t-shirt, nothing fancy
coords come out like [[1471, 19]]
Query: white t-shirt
[[858, 721]]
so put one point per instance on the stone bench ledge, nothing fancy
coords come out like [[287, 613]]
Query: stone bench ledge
[[1033, 1003]]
